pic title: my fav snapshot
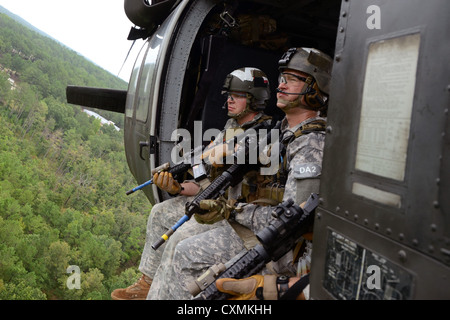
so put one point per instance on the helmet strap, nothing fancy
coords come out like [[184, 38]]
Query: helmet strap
[[248, 109], [309, 93], [239, 115], [291, 104]]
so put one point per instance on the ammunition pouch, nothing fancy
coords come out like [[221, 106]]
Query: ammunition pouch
[[268, 195], [259, 193]]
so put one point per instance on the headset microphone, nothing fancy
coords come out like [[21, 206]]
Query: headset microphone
[[313, 98], [298, 94]]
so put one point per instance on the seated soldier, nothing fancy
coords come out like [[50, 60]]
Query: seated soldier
[[303, 95], [248, 91]]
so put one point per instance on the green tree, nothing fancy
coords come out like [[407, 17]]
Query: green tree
[[63, 178], [5, 87], [57, 259]]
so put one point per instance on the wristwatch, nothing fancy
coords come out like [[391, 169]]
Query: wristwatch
[[282, 285]]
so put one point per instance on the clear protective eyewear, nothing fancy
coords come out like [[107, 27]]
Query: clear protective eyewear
[[290, 78], [235, 95]]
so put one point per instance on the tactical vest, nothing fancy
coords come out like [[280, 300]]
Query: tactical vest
[[217, 171], [269, 190]]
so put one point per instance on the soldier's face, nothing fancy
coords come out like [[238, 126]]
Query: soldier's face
[[236, 102], [291, 83]]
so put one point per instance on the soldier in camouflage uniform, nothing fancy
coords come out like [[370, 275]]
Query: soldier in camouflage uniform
[[248, 92], [303, 95]]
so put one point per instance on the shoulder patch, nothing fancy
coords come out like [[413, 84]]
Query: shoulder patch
[[307, 170]]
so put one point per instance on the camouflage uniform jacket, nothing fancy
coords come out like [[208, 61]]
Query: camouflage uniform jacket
[[233, 124], [222, 136], [303, 166]]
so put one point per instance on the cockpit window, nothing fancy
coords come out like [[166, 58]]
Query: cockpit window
[[133, 82], [145, 94]]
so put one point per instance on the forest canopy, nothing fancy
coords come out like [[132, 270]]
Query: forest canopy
[[63, 177]]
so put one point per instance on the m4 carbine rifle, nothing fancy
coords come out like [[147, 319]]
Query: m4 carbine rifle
[[229, 178], [275, 241], [188, 162]]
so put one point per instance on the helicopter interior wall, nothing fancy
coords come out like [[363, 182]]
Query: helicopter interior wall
[[308, 24], [233, 56], [196, 96]]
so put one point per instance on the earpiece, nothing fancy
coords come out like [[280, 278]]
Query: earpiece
[[314, 98]]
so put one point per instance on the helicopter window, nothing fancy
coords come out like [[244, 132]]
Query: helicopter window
[[148, 74], [133, 83]]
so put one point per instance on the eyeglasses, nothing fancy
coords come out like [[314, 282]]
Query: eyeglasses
[[235, 95], [291, 79]]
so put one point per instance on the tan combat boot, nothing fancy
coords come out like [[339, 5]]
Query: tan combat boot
[[137, 291]]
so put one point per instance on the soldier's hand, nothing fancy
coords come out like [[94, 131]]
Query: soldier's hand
[[165, 181], [241, 289], [216, 154], [252, 288], [217, 210]]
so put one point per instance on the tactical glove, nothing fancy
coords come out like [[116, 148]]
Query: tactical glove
[[217, 210], [252, 288], [215, 155], [248, 288], [165, 181]]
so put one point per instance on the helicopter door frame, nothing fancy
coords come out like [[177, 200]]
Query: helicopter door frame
[[386, 209], [184, 34], [142, 102]]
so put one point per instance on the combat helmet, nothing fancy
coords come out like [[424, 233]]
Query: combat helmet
[[252, 81], [316, 64]]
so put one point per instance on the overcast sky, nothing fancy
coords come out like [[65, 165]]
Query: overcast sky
[[97, 29]]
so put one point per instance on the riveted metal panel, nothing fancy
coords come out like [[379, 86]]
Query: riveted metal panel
[[385, 172]]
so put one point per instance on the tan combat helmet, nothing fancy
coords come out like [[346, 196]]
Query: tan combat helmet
[[316, 64], [252, 81]]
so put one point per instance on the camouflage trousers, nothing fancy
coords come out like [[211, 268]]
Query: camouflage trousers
[[192, 256], [163, 216]]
